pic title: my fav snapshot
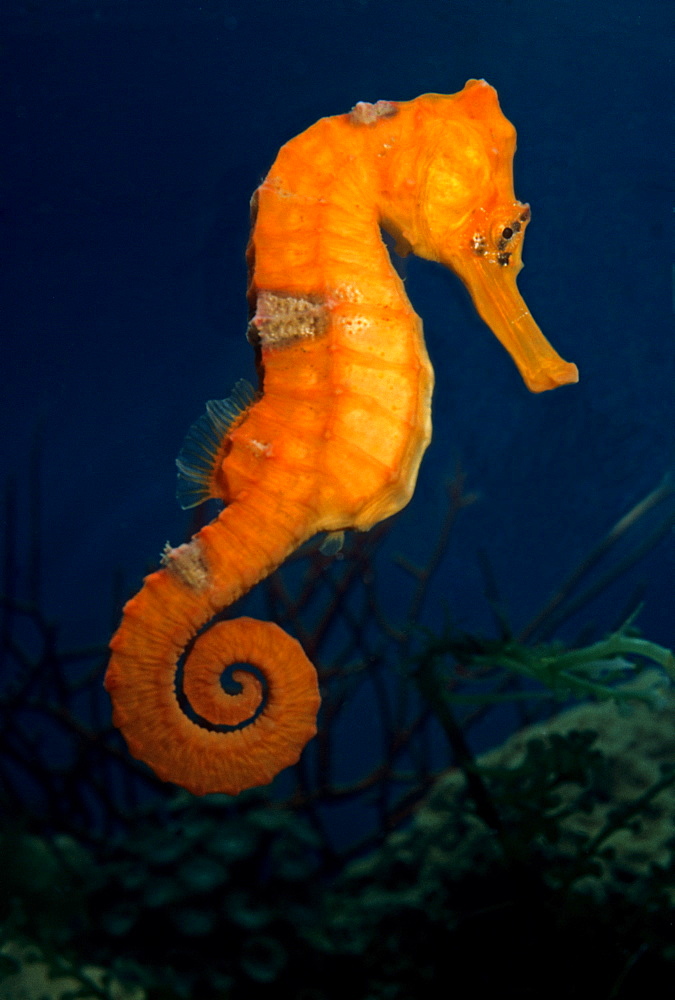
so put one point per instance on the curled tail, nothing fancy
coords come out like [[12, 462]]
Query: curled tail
[[232, 741]]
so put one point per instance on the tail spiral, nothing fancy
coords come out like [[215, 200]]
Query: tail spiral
[[269, 722]]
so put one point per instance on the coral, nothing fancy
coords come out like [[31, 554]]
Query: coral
[[623, 819], [583, 864], [43, 890], [200, 878], [26, 974]]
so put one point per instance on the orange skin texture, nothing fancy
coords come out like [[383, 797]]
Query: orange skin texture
[[335, 439]]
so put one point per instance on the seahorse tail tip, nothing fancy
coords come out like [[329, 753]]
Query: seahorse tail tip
[[284, 685], [270, 720]]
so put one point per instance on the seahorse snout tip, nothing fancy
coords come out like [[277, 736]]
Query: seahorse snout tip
[[564, 373]]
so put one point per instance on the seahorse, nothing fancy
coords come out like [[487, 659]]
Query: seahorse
[[334, 436]]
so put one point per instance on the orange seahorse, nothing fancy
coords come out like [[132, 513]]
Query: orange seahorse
[[335, 435]]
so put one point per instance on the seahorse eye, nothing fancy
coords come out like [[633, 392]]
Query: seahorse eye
[[507, 232]]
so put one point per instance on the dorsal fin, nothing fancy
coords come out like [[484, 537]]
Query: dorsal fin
[[199, 456]]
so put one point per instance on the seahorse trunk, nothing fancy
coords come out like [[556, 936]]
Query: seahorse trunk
[[337, 436]]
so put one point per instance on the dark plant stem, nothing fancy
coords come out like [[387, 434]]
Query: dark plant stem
[[431, 689]]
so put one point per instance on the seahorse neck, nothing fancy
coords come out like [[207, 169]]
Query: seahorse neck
[[318, 219]]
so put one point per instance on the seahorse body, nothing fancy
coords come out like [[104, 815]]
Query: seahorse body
[[335, 438]]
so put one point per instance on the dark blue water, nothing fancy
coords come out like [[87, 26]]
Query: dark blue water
[[133, 136]]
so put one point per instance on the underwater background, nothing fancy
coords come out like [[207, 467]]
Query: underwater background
[[134, 133]]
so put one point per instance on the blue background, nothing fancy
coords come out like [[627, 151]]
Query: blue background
[[133, 137]]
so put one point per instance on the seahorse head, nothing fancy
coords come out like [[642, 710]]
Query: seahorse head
[[464, 213]]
